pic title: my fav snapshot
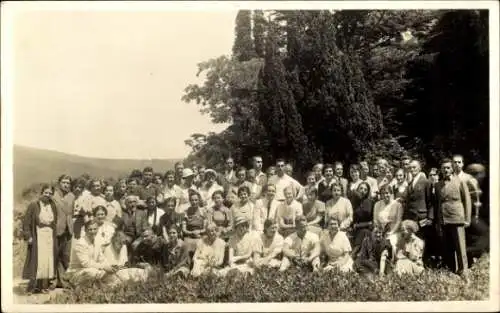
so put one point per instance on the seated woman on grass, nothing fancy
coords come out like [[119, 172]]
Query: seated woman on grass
[[337, 248], [375, 254], [302, 248], [242, 247], [409, 250], [270, 246], [175, 257], [116, 255], [209, 254]]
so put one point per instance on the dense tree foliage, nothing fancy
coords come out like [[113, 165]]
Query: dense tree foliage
[[344, 85]]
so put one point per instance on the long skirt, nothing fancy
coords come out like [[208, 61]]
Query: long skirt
[[45, 256]]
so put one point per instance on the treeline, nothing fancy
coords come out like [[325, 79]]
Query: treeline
[[315, 86]]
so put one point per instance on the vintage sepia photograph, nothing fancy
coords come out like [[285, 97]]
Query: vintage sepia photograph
[[176, 154]]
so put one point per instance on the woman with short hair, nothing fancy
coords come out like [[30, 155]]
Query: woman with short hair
[[113, 207], [39, 225], [270, 246], [339, 208], [336, 246], [105, 228], [244, 207], [400, 186], [220, 215], [375, 253], [387, 211], [409, 250], [194, 223], [362, 205], [175, 257], [314, 211], [355, 174], [287, 213]]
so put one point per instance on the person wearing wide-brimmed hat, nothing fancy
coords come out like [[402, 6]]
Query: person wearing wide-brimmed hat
[[243, 247], [187, 185], [209, 186], [209, 253]]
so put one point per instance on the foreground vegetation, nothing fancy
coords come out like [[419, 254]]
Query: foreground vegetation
[[294, 286]]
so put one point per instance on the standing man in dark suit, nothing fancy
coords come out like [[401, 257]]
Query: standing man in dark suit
[[64, 200], [418, 207]]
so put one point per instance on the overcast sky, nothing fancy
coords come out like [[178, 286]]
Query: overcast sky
[[109, 84]]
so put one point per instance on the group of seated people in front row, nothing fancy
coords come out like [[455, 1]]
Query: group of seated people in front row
[[119, 233], [106, 253]]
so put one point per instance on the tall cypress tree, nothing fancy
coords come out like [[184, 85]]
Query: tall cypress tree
[[259, 28], [243, 49], [278, 109], [336, 105]]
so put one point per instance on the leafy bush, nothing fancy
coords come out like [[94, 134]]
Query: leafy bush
[[294, 286]]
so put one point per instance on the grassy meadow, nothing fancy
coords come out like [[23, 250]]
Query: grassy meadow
[[294, 286]]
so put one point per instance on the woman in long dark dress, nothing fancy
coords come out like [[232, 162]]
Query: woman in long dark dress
[[39, 232], [362, 205]]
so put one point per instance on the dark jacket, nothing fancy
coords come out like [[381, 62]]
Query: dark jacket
[[418, 204], [64, 205]]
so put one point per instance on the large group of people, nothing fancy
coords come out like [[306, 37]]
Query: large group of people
[[385, 217]]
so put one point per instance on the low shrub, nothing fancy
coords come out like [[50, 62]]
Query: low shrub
[[293, 286]]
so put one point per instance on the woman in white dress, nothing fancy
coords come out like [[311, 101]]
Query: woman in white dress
[[337, 248], [387, 213], [209, 254], [242, 248], [105, 228], [116, 255], [39, 225]]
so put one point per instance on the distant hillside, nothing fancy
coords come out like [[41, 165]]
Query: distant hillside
[[38, 165]]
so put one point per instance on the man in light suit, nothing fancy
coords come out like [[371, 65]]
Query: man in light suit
[[64, 200]]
